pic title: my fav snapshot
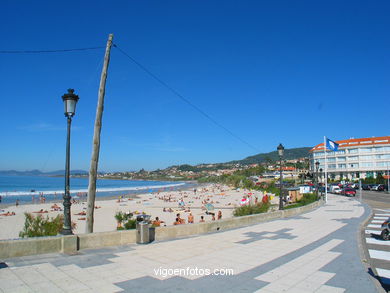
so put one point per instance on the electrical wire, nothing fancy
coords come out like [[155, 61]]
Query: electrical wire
[[180, 96], [47, 51]]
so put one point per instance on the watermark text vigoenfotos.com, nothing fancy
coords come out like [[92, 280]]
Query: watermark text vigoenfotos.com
[[192, 271]]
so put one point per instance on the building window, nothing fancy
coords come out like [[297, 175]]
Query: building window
[[383, 149], [341, 159], [356, 165], [366, 164], [383, 164], [353, 151], [382, 156], [331, 159], [332, 166], [342, 166], [340, 152], [353, 158], [365, 158], [365, 150]]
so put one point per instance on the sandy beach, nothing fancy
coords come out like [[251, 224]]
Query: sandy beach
[[223, 198]]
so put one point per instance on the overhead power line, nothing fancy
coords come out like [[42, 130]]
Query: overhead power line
[[184, 99], [47, 51]]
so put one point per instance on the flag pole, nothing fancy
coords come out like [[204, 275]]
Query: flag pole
[[326, 172]]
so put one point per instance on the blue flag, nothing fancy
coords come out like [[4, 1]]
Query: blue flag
[[330, 144]]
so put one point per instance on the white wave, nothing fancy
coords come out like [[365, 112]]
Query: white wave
[[73, 191]]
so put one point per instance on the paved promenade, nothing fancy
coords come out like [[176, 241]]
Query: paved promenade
[[314, 252]]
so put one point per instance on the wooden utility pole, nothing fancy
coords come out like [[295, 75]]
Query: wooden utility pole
[[96, 140]]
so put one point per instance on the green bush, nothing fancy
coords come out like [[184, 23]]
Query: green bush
[[39, 226], [305, 200], [127, 218], [251, 209], [130, 224]]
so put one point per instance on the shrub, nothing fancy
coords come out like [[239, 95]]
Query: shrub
[[251, 209], [39, 226], [305, 200], [130, 224], [127, 218]]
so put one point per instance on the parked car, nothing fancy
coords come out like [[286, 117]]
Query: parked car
[[365, 187], [348, 192], [355, 186], [336, 190], [378, 187]]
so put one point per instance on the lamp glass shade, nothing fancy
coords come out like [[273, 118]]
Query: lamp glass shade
[[70, 101], [70, 107], [280, 150]]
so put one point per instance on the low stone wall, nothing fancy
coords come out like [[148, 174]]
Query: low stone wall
[[104, 239], [73, 243], [170, 232]]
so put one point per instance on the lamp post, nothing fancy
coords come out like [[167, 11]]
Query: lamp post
[[70, 101], [317, 166], [280, 149], [321, 180], [388, 178]]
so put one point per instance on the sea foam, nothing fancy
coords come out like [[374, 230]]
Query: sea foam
[[75, 191]]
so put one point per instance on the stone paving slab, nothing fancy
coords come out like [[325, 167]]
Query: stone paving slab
[[314, 252]]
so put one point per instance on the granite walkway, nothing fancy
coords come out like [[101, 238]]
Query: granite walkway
[[314, 252]]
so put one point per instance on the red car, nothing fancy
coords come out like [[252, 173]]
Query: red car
[[348, 192]]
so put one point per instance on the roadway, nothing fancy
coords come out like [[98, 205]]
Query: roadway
[[377, 251]]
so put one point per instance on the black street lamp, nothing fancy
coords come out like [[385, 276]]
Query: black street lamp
[[317, 166], [70, 101], [280, 149], [321, 180]]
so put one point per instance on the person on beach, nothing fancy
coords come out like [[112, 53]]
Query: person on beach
[[182, 221], [177, 222], [219, 217], [8, 214], [17, 203], [201, 219], [0, 198], [157, 222], [190, 219], [41, 211]]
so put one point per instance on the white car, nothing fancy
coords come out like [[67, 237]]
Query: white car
[[337, 190]]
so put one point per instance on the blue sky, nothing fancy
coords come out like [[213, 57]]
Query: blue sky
[[269, 71]]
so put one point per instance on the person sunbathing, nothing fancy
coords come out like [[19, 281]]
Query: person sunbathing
[[41, 211], [55, 207], [81, 218], [201, 219], [8, 214], [157, 222], [177, 222], [190, 219], [182, 221], [82, 213]]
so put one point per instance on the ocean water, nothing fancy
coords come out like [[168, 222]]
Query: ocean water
[[27, 188]]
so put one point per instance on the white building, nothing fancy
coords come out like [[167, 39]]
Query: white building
[[355, 158]]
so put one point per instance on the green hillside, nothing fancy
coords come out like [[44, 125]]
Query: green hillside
[[289, 154]]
